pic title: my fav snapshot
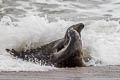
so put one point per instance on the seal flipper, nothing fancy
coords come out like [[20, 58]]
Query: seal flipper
[[15, 53]]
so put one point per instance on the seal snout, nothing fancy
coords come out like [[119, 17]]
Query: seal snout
[[80, 26]]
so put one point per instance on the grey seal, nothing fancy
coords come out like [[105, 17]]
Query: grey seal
[[65, 52]]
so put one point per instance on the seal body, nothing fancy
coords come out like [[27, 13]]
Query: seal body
[[65, 52]]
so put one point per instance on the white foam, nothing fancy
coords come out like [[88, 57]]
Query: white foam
[[102, 39], [30, 31]]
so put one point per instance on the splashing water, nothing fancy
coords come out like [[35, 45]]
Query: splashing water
[[33, 23], [27, 33], [101, 38]]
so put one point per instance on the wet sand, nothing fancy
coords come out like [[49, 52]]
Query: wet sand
[[81, 73]]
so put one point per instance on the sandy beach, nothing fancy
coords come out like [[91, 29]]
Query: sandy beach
[[81, 73]]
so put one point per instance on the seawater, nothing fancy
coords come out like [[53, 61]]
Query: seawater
[[28, 24]]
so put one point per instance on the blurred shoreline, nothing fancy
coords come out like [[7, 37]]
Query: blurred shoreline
[[79, 73]]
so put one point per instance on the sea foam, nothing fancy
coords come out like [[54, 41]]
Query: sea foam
[[100, 39]]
